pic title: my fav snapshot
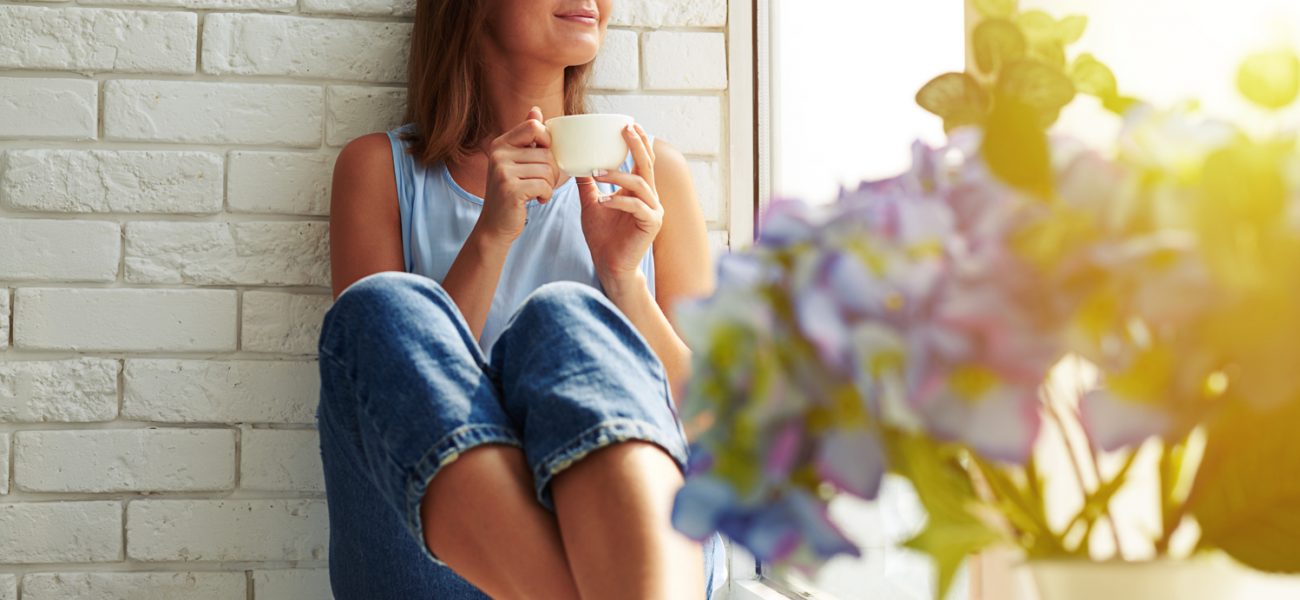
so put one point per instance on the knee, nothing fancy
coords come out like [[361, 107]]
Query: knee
[[377, 300], [563, 297]]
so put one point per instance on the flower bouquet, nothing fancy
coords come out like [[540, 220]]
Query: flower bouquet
[[1136, 303]]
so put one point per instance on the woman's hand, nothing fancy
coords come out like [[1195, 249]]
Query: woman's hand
[[620, 227], [520, 168]]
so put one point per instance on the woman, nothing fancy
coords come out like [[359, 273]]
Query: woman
[[547, 470]]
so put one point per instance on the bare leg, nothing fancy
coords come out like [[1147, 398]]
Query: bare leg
[[480, 515], [614, 510]]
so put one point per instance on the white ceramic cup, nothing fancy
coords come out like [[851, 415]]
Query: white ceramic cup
[[585, 143]]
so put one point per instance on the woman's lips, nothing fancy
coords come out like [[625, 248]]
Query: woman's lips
[[580, 18]]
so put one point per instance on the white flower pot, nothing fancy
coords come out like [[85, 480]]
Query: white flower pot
[[1194, 579], [1181, 579]]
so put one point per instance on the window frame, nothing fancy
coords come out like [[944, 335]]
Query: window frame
[[751, 35]]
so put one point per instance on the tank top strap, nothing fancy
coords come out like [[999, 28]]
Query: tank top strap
[[404, 170]]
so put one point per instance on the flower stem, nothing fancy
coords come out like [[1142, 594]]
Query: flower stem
[[1171, 509], [1077, 467]]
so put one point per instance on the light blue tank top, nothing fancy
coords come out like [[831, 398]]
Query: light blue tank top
[[438, 215]]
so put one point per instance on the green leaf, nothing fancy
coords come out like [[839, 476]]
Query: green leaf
[[1015, 147], [997, 8], [1092, 77], [1042, 88], [1070, 29], [997, 42], [1270, 79], [1049, 52], [1119, 104], [1037, 25], [952, 532], [948, 543], [956, 97], [1246, 493]]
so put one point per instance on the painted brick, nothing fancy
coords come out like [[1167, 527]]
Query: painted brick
[[187, 391], [124, 320], [292, 583], [397, 8], [670, 13], [8, 587], [126, 181], [39, 108], [126, 460], [291, 183], [268, 5], [280, 460], [706, 176], [618, 65], [51, 532], [97, 39], [284, 323], [685, 60], [252, 44], [210, 530], [212, 112], [138, 586], [353, 111], [251, 253], [4, 477], [692, 123], [4, 318], [59, 250], [65, 391]]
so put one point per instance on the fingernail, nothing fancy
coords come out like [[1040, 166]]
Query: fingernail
[[603, 199], [629, 128], [599, 173]]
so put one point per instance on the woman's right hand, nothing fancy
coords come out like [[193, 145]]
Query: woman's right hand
[[520, 168]]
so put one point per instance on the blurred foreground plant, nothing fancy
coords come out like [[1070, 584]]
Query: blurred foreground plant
[[913, 326]]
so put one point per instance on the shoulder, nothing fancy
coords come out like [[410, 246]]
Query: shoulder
[[670, 165], [364, 185], [364, 156]]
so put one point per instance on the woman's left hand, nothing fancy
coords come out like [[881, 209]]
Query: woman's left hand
[[620, 227]]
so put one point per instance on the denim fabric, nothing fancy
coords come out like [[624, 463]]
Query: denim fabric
[[405, 388]]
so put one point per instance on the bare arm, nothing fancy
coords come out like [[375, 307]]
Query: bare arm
[[683, 268], [365, 225], [366, 234]]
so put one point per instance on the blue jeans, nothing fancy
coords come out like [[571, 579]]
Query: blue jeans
[[405, 389]]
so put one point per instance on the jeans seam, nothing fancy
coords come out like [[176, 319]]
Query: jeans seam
[[572, 451]]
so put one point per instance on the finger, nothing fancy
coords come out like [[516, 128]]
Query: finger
[[532, 171], [530, 132], [635, 186], [648, 144], [640, 155], [539, 156], [527, 189], [588, 191], [642, 213]]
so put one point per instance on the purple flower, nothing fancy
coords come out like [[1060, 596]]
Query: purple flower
[[1112, 422], [972, 404], [771, 530], [853, 461], [787, 222]]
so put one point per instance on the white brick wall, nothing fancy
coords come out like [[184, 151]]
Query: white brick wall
[[136, 586], [208, 530], [132, 460], [165, 171]]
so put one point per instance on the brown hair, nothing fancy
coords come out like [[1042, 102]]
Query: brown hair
[[444, 90]]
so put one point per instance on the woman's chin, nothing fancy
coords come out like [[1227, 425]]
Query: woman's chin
[[577, 49]]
